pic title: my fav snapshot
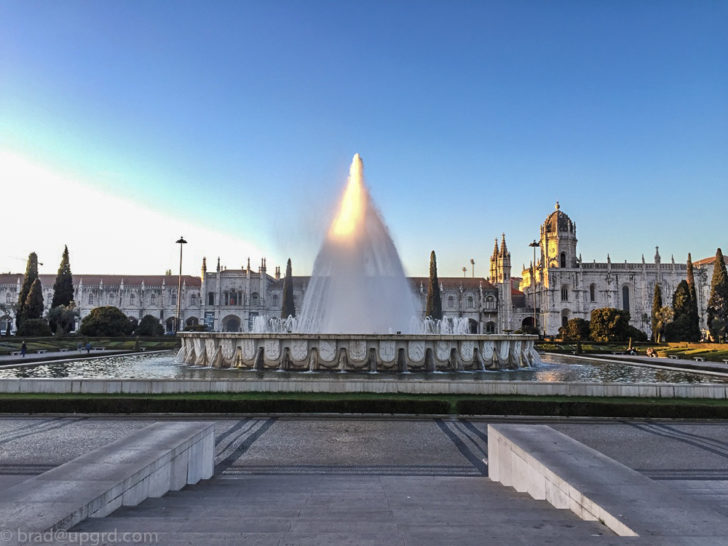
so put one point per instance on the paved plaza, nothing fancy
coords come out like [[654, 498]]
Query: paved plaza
[[350, 480]]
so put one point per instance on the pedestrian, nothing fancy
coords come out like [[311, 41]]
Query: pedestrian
[[88, 347], [23, 349]]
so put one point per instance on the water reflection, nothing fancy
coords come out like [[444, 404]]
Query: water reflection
[[164, 367]]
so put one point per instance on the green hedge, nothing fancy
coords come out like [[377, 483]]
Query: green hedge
[[593, 408], [181, 405], [536, 406]]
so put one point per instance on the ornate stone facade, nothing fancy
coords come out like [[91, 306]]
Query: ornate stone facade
[[560, 287], [565, 287]]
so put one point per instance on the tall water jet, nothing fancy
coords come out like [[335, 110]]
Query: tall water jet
[[358, 283]]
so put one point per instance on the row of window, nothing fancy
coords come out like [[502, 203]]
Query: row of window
[[93, 299], [592, 295], [236, 297]]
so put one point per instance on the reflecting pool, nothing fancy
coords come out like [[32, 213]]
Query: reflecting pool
[[163, 366]]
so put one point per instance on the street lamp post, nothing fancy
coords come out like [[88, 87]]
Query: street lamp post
[[181, 241], [472, 265], [533, 245], [465, 270]]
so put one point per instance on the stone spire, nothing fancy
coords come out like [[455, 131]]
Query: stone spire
[[503, 249], [218, 264], [657, 255], [495, 249]]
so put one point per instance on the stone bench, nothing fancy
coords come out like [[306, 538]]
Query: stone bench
[[554, 467], [698, 359], [16, 353], [63, 350], [725, 361], [98, 348], [42, 351], [147, 463], [672, 357]]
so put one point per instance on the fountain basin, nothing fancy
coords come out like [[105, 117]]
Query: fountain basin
[[358, 352]]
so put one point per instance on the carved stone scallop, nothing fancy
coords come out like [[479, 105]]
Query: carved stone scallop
[[227, 346], [387, 350], [299, 350], [488, 349], [442, 350], [272, 348], [358, 350], [467, 348], [248, 349], [327, 350], [416, 350]]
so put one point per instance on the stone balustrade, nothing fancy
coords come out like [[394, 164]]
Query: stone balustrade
[[348, 352]]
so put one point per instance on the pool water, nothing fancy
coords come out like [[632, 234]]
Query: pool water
[[163, 366]]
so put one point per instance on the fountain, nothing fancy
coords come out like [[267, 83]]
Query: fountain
[[359, 313]]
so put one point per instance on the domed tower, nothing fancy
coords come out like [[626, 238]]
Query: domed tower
[[558, 240]]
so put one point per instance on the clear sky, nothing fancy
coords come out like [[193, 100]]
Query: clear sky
[[125, 124]]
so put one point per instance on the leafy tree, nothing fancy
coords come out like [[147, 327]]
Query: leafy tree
[[694, 319], [33, 308], [62, 319], [609, 324], [106, 321], [682, 328], [636, 334], [63, 287], [149, 326], [133, 324], [577, 329], [664, 317], [434, 303], [31, 274], [656, 306], [718, 302], [36, 327], [288, 305]]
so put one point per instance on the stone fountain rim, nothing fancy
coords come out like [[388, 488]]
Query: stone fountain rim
[[362, 337]]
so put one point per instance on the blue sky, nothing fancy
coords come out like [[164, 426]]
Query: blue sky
[[473, 118]]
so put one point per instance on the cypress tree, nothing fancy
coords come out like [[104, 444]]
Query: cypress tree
[[34, 302], [288, 306], [694, 317], [63, 287], [434, 303], [31, 274], [718, 302], [656, 306], [681, 328]]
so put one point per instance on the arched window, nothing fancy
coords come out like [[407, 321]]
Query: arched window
[[153, 299], [211, 298], [490, 327], [254, 299], [564, 292], [275, 301], [625, 298], [90, 299], [470, 302], [564, 317], [563, 259], [592, 292], [450, 302], [131, 299]]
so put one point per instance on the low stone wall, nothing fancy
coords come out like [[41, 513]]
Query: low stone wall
[[344, 352], [147, 463], [551, 466], [342, 383]]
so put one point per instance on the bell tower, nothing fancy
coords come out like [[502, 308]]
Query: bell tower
[[558, 241]]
